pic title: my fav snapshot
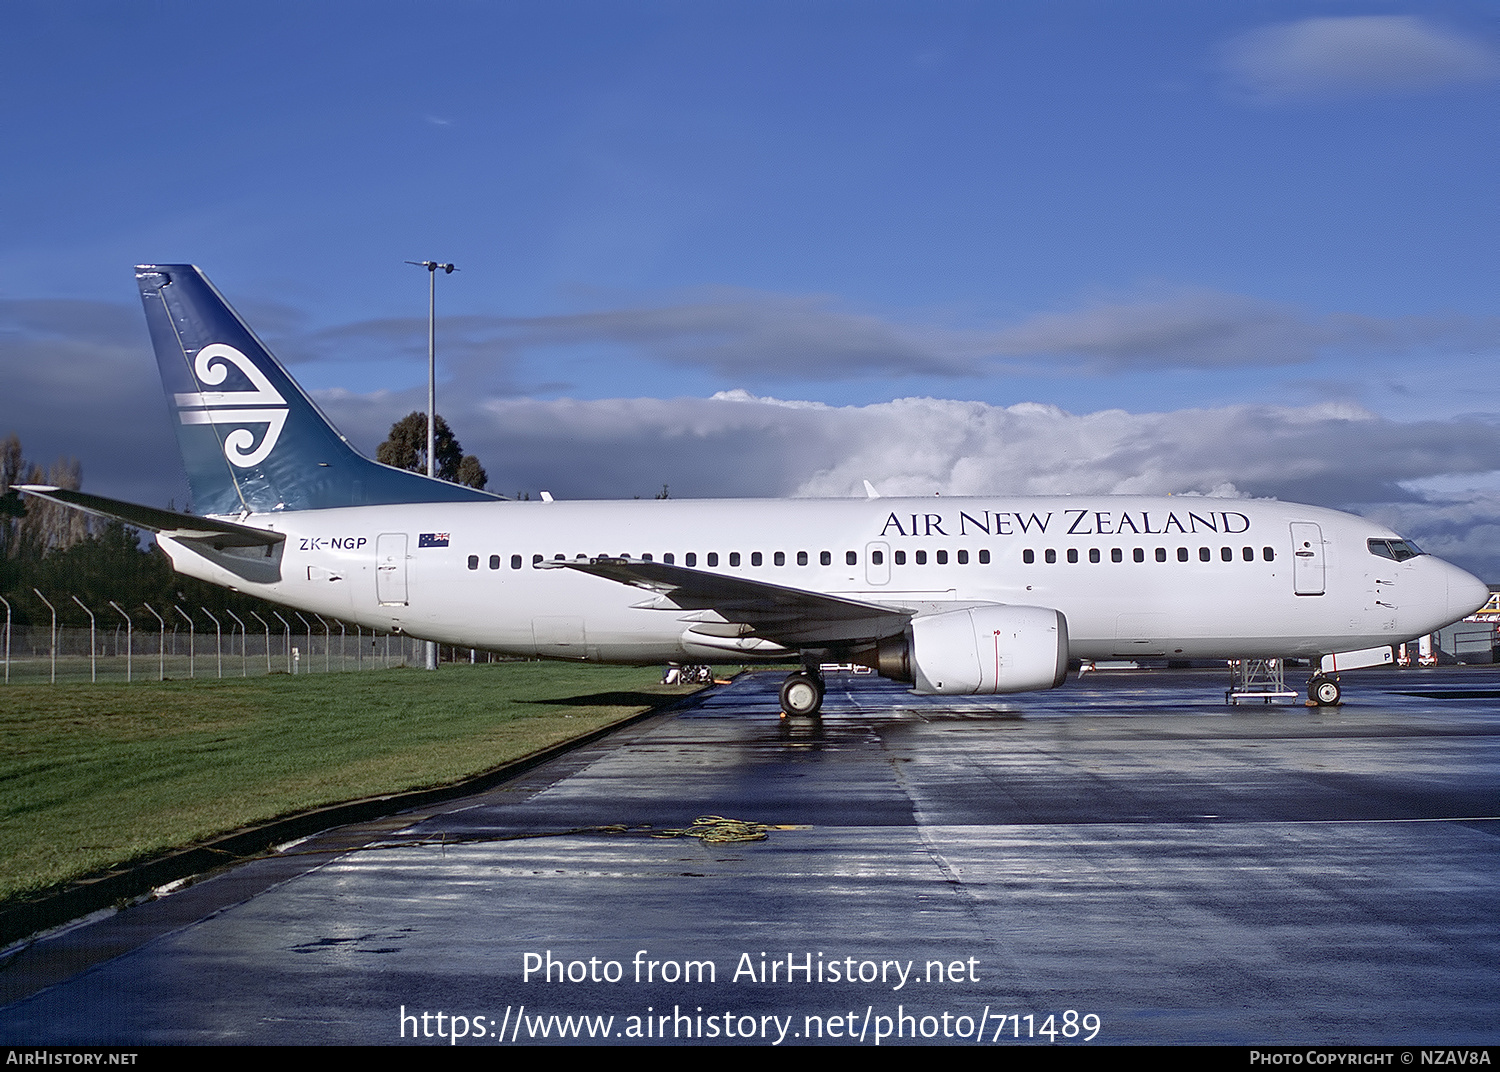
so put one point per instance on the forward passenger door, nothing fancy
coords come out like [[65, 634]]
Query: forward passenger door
[[1307, 559]]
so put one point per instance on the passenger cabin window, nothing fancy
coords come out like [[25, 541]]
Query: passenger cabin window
[[877, 558], [713, 558], [536, 560], [515, 561], [779, 558], [1248, 553], [1268, 553], [1051, 555], [1204, 554], [1182, 554], [1093, 554], [851, 558], [734, 558], [984, 557], [473, 561], [921, 558], [942, 558], [1028, 556], [963, 558], [755, 558], [1072, 554], [690, 559], [900, 558], [669, 558], [1227, 554], [494, 562]]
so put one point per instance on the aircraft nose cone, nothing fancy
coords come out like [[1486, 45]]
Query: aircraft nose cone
[[1466, 593]]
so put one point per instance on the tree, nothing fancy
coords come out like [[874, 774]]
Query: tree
[[30, 529], [471, 473], [406, 448]]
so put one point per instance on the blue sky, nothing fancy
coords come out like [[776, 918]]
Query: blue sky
[[1222, 248]]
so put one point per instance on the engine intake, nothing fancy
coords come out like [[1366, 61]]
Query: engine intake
[[976, 651]]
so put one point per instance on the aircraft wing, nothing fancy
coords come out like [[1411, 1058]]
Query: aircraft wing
[[791, 617], [208, 530]]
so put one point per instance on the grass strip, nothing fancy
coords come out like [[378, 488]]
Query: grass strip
[[94, 776]]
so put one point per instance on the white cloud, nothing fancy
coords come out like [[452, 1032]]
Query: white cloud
[[1356, 55], [736, 445]]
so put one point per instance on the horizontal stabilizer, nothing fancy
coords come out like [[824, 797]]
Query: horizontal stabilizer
[[165, 522]]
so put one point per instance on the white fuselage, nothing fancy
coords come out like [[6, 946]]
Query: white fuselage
[[1135, 577]]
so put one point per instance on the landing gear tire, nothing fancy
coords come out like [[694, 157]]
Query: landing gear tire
[[1325, 691], [801, 695]]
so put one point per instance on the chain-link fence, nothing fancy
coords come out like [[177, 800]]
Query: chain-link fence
[[192, 647]]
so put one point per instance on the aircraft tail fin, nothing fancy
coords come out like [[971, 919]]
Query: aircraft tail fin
[[251, 438]]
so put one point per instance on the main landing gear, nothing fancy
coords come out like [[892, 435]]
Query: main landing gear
[[1324, 691], [802, 695]]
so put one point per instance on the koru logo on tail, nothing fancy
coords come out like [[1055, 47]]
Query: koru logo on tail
[[263, 405]]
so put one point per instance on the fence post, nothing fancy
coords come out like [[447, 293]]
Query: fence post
[[7, 638], [343, 633], [327, 644], [192, 647], [288, 635], [308, 625], [54, 632], [263, 622], [244, 669], [93, 644], [218, 640], [161, 644], [128, 632]]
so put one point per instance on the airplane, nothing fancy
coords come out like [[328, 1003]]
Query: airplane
[[975, 596]]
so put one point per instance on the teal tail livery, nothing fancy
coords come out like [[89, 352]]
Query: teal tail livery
[[251, 439], [956, 596]]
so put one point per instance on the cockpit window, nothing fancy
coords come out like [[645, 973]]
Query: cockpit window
[[1395, 550]]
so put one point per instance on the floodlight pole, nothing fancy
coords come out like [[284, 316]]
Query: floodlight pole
[[432, 267]]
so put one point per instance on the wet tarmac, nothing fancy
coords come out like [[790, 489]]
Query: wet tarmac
[[1124, 858]]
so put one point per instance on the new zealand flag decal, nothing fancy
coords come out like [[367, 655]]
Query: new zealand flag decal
[[432, 539]]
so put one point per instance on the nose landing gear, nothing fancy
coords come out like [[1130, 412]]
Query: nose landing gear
[[1324, 691], [802, 695]]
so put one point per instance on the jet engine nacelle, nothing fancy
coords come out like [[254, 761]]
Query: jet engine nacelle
[[979, 650]]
